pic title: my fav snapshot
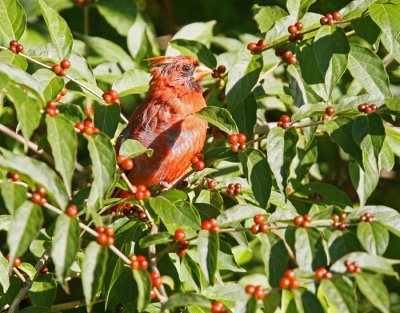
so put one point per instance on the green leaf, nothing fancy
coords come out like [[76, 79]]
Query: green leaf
[[355, 8], [13, 19], [208, 246], [332, 194], [24, 227], [245, 115], [242, 77], [182, 213], [374, 290], [220, 118], [246, 305], [367, 68], [195, 49], [275, 257], [364, 179], [51, 83], [93, 269], [238, 213], [106, 117], [13, 195], [59, 31], [4, 279], [374, 237], [298, 7], [38, 172], [306, 302], [28, 110], [341, 243], [143, 283], [43, 290], [104, 164], [132, 82], [387, 17], [340, 130], [62, 138], [266, 16], [120, 15], [339, 295], [308, 110], [366, 29], [190, 272], [131, 148], [36, 309], [331, 50], [155, 239], [8, 57], [310, 253], [185, 299], [65, 244], [256, 169], [281, 149], [393, 103]]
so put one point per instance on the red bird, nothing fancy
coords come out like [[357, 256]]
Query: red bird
[[164, 122]]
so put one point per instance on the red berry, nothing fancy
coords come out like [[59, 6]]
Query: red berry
[[20, 48], [294, 284], [286, 125], [320, 273], [328, 16], [299, 36], [65, 64], [179, 234], [89, 131], [13, 49], [147, 194], [342, 216], [262, 44], [13, 43], [157, 282], [335, 217], [242, 147], [143, 263], [206, 225], [257, 50], [251, 46], [292, 38], [259, 292], [290, 274], [324, 20], [264, 228], [184, 244], [14, 176], [109, 231], [215, 74], [153, 294], [127, 164], [217, 307], [292, 60], [64, 92], [194, 159], [284, 283], [62, 73], [285, 118], [120, 159], [330, 111], [221, 69], [142, 215], [212, 184], [255, 228], [41, 191], [113, 94], [362, 107], [139, 195], [279, 52], [299, 25], [117, 101], [44, 270], [215, 228], [242, 138], [80, 126], [328, 275], [259, 219], [199, 165], [135, 264], [337, 16], [232, 139], [110, 241], [51, 104], [235, 147], [100, 229], [292, 29], [326, 117], [102, 239], [36, 197], [108, 98], [181, 252], [307, 218], [17, 262], [298, 220], [250, 289], [287, 54], [342, 226], [72, 210], [373, 107], [331, 22], [213, 222]]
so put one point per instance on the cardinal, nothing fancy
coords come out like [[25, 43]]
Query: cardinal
[[164, 122]]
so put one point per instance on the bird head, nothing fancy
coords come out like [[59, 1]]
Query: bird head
[[178, 71]]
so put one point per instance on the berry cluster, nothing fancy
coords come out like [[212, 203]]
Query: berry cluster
[[141, 192], [259, 225], [352, 267], [218, 307], [315, 196], [61, 69], [289, 281], [62, 93], [338, 220], [329, 111], [156, 279], [322, 273], [257, 291], [302, 220], [180, 238], [130, 210], [330, 18], [126, 164], [284, 122], [220, 70], [212, 183], [257, 47], [210, 225], [105, 235], [197, 162], [293, 31], [287, 55], [138, 261], [111, 96], [52, 109], [17, 261], [72, 210], [367, 109], [87, 127], [15, 47], [234, 189], [238, 142], [366, 217], [38, 196], [14, 176]]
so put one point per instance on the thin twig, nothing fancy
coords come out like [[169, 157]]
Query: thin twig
[[18, 274], [73, 304]]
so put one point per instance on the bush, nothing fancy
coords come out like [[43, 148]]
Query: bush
[[292, 206]]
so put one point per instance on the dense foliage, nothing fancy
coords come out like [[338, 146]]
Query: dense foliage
[[301, 158]]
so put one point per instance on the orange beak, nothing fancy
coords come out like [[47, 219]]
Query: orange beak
[[201, 71]]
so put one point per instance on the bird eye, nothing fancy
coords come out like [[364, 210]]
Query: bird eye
[[185, 68]]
